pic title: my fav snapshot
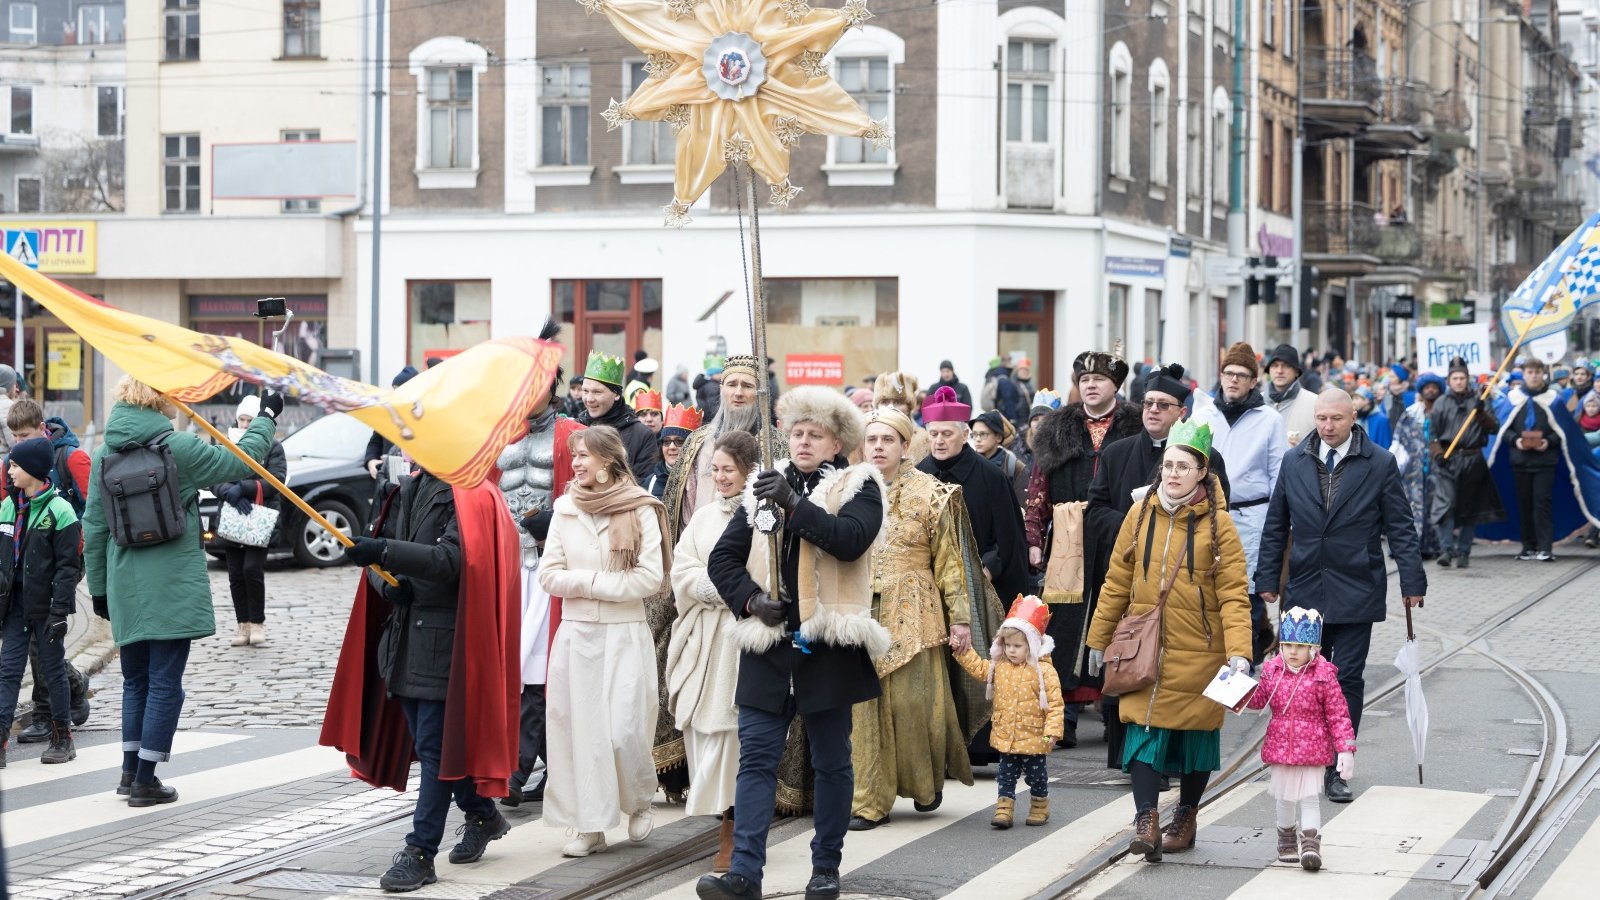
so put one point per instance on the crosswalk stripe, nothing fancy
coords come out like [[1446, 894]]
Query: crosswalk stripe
[[535, 847], [26, 773], [49, 820], [1575, 876], [1372, 848], [1022, 876]]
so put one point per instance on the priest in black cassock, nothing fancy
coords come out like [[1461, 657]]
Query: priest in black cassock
[[1127, 465]]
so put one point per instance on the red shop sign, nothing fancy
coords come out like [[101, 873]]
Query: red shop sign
[[813, 368]]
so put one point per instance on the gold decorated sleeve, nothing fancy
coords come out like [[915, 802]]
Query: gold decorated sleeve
[[949, 562]]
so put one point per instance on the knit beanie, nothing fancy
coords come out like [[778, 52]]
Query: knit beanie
[[35, 456], [1243, 356], [1284, 353], [249, 406]]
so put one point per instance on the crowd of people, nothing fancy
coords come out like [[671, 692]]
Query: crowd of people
[[656, 600]]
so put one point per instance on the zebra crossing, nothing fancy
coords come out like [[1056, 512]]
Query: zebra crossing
[[244, 797]]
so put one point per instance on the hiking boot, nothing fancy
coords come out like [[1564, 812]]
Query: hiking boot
[[1179, 836], [824, 885], [1038, 810], [1288, 845], [412, 869], [476, 833], [724, 857], [153, 794], [585, 843], [1310, 850], [61, 747], [1003, 809], [258, 634], [36, 733], [241, 635], [1147, 836]]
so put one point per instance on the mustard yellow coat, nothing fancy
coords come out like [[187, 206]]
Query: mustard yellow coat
[[1207, 618], [1019, 725]]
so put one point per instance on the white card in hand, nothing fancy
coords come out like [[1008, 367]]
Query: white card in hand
[[1231, 689]]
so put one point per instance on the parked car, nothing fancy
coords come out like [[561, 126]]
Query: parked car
[[327, 470]]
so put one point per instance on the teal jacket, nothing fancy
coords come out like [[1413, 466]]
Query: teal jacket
[[161, 592]]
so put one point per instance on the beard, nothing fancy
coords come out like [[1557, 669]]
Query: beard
[[729, 418]]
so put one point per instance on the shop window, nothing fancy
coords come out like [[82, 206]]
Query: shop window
[[445, 315], [855, 319], [617, 316], [181, 21], [1027, 326]]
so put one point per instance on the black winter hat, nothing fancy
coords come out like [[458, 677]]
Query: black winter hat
[[1285, 354], [403, 376], [35, 456]]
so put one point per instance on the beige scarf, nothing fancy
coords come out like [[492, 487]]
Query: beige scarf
[[616, 500]]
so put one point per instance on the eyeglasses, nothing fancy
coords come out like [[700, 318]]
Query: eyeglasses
[[672, 442], [1162, 405], [1177, 468], [1237, 376]]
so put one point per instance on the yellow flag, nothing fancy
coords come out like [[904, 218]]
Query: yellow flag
[[453, 419]]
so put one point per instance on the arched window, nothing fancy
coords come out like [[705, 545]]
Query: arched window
[[1121, 69], [864, 62], [447, 70]]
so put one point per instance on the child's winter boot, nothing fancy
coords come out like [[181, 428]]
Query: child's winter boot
[[1288, 845], [1310, 850], [1038, 810], [1002, 812]]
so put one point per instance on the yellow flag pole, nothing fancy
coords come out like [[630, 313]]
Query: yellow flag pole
[[1489, 386], [277, 485]]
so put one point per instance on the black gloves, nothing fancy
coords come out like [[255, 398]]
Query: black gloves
[[772, 485], [234, 497], [537, 524], [366, 551], [770, 611], [100, 607], [55, 628], [271, 405]]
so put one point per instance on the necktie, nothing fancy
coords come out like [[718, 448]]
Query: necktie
[[1333, 457]]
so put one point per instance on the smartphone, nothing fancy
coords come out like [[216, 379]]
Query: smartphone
[[271, 308]]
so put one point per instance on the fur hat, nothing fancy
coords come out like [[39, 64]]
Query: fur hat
[[895, 387], [1096, 362], [827, 408], [1244, 356], [1030, 617], [1168, 380], [1427, 378]]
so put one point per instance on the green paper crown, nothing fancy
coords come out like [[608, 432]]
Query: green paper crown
[[602, 367], [1194, 435]]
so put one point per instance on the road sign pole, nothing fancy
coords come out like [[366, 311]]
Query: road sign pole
[[21, 346]]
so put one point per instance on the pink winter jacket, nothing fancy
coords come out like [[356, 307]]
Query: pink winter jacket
[[1310, 720]]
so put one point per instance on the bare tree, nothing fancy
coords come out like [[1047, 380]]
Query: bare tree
[[83, 174]]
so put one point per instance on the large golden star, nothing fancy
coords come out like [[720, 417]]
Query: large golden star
[[738, 81]]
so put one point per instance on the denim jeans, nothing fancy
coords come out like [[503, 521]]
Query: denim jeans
[[14, 640], [761, 740], [1451, 545], [425, 719], [152, 696]]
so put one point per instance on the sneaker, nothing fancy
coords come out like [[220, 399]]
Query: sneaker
[[412, 869], [152, 794], [1444, 561], [513, 797], [824, 885], [476, 833], [640, 824], [1545, 556], [585, 843], [1525, 556]]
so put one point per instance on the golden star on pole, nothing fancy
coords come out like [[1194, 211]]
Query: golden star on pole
[[739, 81]]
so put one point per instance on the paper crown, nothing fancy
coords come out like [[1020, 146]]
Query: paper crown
[[604, 368], [1045, 398], [1032, 610], [1191, 434], [942, 406], [681, 418], [1300, 626], [714, 364], [742, 363], [647, 399]]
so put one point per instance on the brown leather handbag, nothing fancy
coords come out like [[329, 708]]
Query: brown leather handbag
[[1133, 657]]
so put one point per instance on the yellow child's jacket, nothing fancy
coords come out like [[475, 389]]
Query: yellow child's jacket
[[1019, 725]]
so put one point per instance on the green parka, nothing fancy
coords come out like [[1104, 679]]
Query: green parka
[[161, 592]]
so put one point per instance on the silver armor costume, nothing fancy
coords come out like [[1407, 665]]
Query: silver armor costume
[[527, 476]]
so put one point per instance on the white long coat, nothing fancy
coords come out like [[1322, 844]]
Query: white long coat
[[1253, 449]]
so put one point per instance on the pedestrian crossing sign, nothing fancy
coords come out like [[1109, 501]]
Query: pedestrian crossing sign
[[23, 246]]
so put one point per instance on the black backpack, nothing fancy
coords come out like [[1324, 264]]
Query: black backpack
[[66, 485], [139, 489]]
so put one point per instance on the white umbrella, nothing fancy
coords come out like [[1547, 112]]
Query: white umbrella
[[1409, 662]]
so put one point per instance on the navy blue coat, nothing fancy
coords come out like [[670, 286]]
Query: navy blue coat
[[1336, 562]]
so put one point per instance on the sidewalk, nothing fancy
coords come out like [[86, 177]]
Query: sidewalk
[[89, 647]]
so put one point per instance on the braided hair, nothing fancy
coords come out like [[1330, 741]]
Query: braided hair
[[1213, 490]]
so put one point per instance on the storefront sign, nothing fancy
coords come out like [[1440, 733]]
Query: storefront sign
[[63, 362], [1274, 244], [813, 368], [65, 248], [1179, 247], [1141, 266], [1436, 346]]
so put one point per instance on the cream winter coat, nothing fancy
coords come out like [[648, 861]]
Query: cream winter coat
[[574, 566], [702, 658]]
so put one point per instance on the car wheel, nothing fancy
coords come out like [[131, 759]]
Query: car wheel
[[314, 546]]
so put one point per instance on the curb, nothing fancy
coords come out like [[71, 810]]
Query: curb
[[90, 648]]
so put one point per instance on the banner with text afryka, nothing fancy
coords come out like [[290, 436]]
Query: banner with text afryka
[[1436, 346]]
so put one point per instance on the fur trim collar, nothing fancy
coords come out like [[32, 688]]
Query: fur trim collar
[[854, 477], [1063, 437]]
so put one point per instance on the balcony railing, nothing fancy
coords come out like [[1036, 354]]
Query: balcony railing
[[1334, 73], [1446, 253], [1402, 102], [1450, 113], [1356, 229]]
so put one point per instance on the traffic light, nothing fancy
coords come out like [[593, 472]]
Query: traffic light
[[1252, 288], [1269, 283], [1310, 293]]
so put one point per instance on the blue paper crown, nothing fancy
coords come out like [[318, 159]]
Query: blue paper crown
[[1300, 626]]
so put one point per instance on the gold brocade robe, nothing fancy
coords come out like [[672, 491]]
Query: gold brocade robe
[[919, 577], [688, 483]]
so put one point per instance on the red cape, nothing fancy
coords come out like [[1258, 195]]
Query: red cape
[[482, 701]]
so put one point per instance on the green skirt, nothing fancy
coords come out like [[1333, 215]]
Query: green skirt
[[1172, 752]]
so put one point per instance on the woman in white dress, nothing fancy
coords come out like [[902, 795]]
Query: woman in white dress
[[702, 659], [603, 557]]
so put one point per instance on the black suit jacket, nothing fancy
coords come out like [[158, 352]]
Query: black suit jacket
[[828, 676]]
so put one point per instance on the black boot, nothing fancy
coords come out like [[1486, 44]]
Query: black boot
[[1338, 789], [476, 834], [125, 784], [412, 869], [153, 794], [80, 705], [824, 884], [36, 733], [61, 747], [726, 887]]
